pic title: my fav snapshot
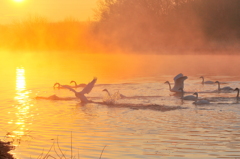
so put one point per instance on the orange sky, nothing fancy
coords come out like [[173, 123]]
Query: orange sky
[[53, 10]]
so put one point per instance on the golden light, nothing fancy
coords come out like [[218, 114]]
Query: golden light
[[18, 1], [22, 106]]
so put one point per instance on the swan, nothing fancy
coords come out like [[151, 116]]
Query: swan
[[77, 85], [224, 88], [111, 99], [87, 89], [59, 86], [178, 83], [189, 97], [237, 89], [54, 97], [206, 82], [200, 102], [116, 95]]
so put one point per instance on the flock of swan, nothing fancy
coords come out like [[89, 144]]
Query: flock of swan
[[59, 86], [177, 88]]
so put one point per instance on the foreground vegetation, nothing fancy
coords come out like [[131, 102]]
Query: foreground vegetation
[[139, 25], [5, 147]]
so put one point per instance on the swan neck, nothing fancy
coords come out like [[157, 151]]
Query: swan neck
[[74, 83], [109, 93], [237, 94], [169, 86], [202, 80], [182, 93], [219, 86], [56, 85], [196, 97]]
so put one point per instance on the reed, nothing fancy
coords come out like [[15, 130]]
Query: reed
[[55, 148]]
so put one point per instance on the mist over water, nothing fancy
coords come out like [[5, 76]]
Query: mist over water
[[134, 127]]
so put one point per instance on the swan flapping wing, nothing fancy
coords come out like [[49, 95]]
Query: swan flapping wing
[[69, 87], [178, 76], [179, 83], [87, 89]]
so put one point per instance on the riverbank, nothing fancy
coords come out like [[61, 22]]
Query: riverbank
[[5, 147]]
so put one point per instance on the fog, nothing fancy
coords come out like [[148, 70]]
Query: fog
[[139, 26], [170, 26], [132, 38]]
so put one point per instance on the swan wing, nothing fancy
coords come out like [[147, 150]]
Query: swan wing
[[69, 87], [179, 83], [209, 82], [87, 89], [203, 102], [178, 76], [190, 97]]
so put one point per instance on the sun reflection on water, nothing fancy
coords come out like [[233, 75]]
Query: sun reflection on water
[[22, 106]]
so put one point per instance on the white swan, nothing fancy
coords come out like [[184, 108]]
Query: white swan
[[200, 102], [77, 85], [116, 95], [224, 88], [87, 89], [237, 89], [206, 82], [178, 83], [189, 97], [59, 86], [112, 98]]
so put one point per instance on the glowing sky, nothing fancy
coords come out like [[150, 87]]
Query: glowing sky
[[53, 10]]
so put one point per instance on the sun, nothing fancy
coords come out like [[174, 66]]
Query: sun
[[18, 1]]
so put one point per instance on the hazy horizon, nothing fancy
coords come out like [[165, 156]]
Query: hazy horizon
[[156, 27], [13, 11]]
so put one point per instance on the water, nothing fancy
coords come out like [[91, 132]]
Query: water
[[149, 123]]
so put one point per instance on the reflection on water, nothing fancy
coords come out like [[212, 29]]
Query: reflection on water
[[126, 129], [22, 107]]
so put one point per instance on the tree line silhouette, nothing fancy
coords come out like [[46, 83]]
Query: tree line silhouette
[[157, 26]]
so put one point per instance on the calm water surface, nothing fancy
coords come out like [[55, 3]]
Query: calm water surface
[[134, 127]]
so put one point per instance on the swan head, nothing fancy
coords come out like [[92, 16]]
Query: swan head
[[73, 82], [167, 82], [56, 85], [105, 90], [201, 77], [195, 93], [217, 82], [236, 89]]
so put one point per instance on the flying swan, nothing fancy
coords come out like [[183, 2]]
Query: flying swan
[[200, 102], [224, 88], [206, 82], [87, 89], [189, 97], [178, 83]]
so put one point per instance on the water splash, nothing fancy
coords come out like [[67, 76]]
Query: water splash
[[112, 98]]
